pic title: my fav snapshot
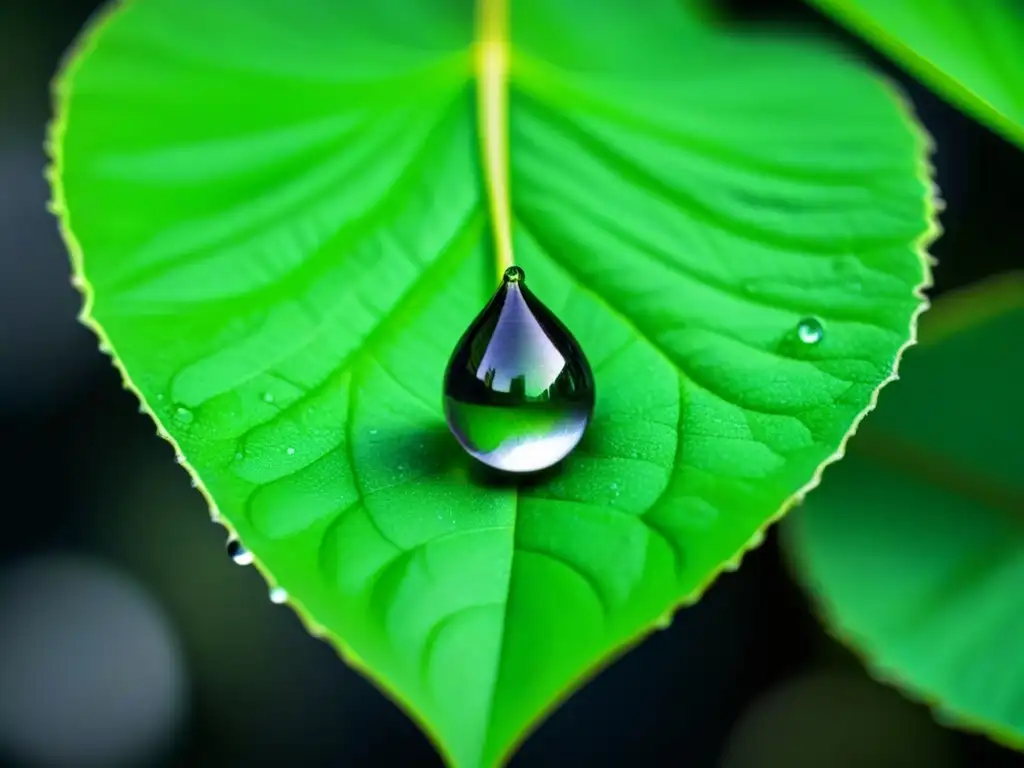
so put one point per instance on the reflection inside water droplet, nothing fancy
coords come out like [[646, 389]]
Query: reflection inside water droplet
[[238, 553], [518, 390], [810, 330]]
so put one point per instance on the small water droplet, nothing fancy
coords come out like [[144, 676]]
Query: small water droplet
[[194, 482], [665, 620], [180, 458], [373, 431], [142, 408], [614, 486], [268, 397], [239, 456], [184, 415], [290, 451], [239, 554], [278, 595], [518, 390], [810, 330], [756, 540]]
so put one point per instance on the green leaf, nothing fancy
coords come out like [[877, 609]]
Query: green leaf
[[287, 212], [972, 53], [914, 544]]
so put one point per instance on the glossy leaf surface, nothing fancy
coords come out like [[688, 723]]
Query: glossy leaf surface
[[280, 211], [914, 544], [970, 52]]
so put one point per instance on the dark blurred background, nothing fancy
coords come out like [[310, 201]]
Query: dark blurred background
[[128, 637]]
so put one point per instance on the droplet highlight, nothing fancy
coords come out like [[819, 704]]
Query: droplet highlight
[[278, 595], [518, 390], [810, 330], [290, 451], [238, 553]]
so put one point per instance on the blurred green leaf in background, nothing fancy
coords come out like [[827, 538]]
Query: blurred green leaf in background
[[970, 51], [913, 547]]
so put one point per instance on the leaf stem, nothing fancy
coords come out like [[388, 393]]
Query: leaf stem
[[492, 56]]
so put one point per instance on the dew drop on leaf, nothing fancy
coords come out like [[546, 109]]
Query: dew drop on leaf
[[239, 554], [278, 595], [518, 390], [290, 451], [268, 397], [183, 415], [810, 330]]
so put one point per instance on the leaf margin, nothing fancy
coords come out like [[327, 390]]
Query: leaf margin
[[62, 84]]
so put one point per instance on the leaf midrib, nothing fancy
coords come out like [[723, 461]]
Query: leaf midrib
[[491, 46]]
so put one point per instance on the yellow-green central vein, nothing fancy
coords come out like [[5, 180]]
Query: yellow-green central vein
[[491, 59]]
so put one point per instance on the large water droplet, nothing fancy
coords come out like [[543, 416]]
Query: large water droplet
[[518, 391], [810, 330], [238, 553]]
